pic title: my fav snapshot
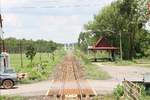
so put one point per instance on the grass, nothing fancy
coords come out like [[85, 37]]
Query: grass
[[144, 62], [16, 59], [147, 98], [112, 97], [92, 71], [12, 98], [39, 69], [105, 97], [119, 63]]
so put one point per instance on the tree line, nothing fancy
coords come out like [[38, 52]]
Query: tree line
[[124, 22], [13, 45]]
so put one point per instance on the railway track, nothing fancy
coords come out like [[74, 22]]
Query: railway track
[[69, 82]]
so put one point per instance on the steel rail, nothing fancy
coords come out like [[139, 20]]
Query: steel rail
[[76, 74]]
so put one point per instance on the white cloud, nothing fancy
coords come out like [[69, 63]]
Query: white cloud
[[58, 28], [62, 24], [20, 3], [12, 3]]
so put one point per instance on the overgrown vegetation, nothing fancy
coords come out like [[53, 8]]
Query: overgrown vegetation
[[112, 97], [118, 92], [40, 69], [92, 71]]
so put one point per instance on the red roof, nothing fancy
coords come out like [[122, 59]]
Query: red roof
[[102, 44]]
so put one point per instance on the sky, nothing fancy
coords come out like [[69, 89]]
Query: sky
[[57, 20]]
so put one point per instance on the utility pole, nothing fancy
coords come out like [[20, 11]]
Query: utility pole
[[0, 41], [1, 32], [21, 53], [2, 47], [120, 45]]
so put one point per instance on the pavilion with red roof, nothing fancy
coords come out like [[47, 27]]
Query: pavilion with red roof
[[103, 44]]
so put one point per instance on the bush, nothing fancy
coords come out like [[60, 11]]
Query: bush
[[143, 92], [118, 91]]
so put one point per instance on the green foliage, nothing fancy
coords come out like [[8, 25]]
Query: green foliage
[[143, 92], [123, 20], [118, 92], [85, 39], [14, 45], [37, 70], [30, 52]]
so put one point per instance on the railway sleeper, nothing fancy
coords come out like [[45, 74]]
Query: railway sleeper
[[72, 96]]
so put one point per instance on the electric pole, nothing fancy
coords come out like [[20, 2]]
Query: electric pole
[[20, 45], [1, 32], [120, 46], [2, 44]]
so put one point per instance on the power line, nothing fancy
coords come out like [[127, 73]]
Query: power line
[[57, 6]]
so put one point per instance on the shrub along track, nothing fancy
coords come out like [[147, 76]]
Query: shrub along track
[[69, 80]]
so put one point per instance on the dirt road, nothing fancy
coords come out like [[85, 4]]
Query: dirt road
[[34, 89], [118, 73]]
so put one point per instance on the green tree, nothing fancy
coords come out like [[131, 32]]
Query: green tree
[[13, 45], [83, 42], [124, 22], [30, 52]]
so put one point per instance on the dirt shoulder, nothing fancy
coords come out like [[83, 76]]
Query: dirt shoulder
[[34, 89]]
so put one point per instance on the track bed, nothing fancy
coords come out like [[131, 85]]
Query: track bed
[[69, 81]]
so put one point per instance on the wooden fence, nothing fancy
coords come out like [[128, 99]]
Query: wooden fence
[[131, 91]]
